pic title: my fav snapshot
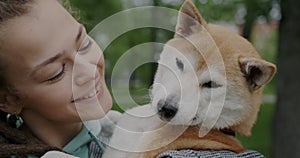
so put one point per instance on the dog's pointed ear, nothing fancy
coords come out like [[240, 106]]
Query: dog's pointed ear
[[189, 20], [257, 71]]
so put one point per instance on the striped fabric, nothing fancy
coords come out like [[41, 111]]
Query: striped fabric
[[209, 154], [94, 150]]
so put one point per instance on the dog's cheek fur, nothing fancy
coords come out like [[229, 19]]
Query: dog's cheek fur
[[183, 84], [252, 109], [235, 107]]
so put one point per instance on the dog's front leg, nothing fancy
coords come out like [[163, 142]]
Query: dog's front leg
[[131, 134]]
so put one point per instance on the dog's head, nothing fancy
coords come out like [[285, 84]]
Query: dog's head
[[209, 75]]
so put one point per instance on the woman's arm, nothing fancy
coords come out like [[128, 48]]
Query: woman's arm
[[209, 154]]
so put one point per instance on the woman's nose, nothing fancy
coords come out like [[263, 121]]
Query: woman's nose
[[86, 64], [83, 71]]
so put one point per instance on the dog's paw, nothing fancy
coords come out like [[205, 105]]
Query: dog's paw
[[108, 124]]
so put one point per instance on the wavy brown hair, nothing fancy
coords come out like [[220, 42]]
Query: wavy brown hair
[[19, 141]]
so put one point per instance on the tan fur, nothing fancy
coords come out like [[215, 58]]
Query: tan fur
[[205, 42], [190, 140], [232, 48]]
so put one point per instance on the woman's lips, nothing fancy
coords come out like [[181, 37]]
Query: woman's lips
[[96, 93]]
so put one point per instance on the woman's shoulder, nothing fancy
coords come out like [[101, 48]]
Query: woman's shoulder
[[210, 154]]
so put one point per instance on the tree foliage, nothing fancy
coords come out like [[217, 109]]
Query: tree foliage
[[93, 11]]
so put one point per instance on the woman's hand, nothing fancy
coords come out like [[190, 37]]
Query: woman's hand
[[58, 154]]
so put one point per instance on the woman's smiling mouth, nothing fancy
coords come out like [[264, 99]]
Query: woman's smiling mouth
[[97, 91]]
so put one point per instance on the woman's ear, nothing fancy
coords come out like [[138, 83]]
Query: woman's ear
[[8, 103]]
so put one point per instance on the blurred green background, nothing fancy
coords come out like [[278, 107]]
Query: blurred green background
[[256, 20]]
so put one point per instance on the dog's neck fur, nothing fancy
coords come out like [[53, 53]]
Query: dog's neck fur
[[214, 140]]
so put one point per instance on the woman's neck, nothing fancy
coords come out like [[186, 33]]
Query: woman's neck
[[55, 134]]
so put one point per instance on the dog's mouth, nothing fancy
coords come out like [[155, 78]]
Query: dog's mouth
[[194, 120]]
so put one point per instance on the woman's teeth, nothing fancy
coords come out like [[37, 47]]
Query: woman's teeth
[[92, 94]]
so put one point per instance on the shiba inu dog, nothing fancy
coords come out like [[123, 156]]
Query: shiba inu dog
[[207, 87]]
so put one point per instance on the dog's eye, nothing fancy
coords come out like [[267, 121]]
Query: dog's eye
[[179, 64], [211, 84]]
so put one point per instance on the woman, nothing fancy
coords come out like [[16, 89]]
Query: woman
[[41, 83]]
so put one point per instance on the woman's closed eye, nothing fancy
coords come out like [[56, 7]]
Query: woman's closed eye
[[57, 76], [85, 44]]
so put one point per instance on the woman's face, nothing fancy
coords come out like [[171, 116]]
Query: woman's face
[[57, 69]]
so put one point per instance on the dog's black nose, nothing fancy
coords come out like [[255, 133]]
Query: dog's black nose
[[166, 111]]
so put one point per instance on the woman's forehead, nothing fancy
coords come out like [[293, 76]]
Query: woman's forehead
[[43, 29]]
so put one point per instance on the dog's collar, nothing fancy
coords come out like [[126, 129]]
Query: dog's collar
[[222, 139], [228, 132]]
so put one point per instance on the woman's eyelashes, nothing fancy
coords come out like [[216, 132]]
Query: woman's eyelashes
[[58, 76]]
